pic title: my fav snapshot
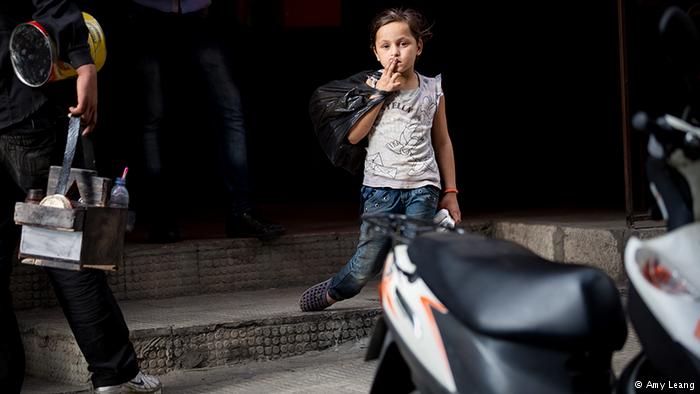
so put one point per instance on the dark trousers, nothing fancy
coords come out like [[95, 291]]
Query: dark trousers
[[26, 152], [180, 46]]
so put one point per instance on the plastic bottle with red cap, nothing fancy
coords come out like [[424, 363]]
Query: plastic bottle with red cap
[[119, 196]]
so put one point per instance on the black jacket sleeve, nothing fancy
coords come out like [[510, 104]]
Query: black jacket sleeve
[[64, 22], [334, 108]]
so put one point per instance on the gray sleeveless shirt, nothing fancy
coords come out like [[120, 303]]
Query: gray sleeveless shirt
[[400, 153]]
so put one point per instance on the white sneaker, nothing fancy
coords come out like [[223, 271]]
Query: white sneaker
[[141, 383]]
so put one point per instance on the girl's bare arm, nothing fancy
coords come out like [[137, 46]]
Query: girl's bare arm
[[364, 125], [446, 161]]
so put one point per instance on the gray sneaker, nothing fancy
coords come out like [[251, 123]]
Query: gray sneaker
[[141, 383]]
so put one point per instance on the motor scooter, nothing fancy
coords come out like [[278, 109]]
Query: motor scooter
[[469, 314], [664, 272]]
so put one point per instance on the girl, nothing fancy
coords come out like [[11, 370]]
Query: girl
[[409, 152]]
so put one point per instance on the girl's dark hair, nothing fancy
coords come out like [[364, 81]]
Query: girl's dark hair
[[420, 29]]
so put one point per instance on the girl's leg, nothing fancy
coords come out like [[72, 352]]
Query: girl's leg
[[418, 203], [363, 265]]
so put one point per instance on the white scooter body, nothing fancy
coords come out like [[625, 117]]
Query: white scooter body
[[677, 311], [409, 307]]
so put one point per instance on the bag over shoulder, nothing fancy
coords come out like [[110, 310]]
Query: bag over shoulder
[[335, 108]]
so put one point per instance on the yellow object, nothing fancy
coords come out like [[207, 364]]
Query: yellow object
[[98, 50]]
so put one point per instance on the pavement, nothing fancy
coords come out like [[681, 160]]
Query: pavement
[[341, 369]]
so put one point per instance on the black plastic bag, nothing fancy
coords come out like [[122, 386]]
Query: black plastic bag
[[334, 108]]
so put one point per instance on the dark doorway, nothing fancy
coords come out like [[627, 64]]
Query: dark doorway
[[532, 93]]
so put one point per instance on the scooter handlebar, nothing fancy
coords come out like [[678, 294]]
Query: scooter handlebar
[[670, 130], [401, 227]]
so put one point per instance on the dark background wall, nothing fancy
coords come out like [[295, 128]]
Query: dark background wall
[[532, 93]]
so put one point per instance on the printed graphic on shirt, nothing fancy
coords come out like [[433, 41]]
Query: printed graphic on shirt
[[376, 165], [422, 167], [411, 137]]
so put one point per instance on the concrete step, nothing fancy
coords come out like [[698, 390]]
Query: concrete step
[[207, 266], [227, 265], [202, 331], [338, 369], [597, 244]]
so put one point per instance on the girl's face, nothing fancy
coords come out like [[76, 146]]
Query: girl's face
[[395, 41]]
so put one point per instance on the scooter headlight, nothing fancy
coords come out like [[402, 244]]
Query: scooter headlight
[[664, 276]]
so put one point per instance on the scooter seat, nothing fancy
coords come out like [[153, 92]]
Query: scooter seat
[[501, 289]]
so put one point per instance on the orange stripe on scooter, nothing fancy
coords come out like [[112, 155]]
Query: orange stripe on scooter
[[697, 330], [384, 292], [428, 305]]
